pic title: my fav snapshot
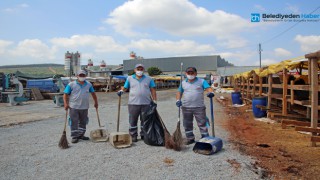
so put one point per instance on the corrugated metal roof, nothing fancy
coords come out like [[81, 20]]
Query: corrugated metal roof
[[231, 70], [172, 64]]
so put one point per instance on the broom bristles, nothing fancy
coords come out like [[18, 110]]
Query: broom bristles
[[172, 142], [63, 143], [177, 138], [168, 142]]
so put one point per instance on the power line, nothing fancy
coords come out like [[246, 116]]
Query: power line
[[276, 36]]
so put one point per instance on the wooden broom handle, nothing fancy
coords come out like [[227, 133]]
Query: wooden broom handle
[[65, 121]]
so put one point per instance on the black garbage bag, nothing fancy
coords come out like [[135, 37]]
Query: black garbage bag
[[152, 127]]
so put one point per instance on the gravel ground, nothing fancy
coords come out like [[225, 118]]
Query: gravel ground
[[30, 150]]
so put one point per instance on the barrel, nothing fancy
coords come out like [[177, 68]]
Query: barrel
[[236, 98], [257, 112]]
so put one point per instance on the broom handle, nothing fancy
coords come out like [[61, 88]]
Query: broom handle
[[98, 117], [212, 117], [181, 87], [118, 114], [65, 121]]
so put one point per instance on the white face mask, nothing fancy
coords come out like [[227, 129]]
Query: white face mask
[[139, 73], [191, 77], [82, 78]]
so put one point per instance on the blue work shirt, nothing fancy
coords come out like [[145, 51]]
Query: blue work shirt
[[193, 92], [139, 89], [79, 94]]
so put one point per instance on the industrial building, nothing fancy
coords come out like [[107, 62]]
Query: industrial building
[[72, 63], [171, 65], [206, 66], [232, 70], [224, 74]]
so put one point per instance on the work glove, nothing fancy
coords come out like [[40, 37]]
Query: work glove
[[178, 103], [120, 92], [210, 95]]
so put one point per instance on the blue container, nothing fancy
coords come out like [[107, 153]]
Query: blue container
[[44, 85], [208, 145], [257, 112], [236, 98]]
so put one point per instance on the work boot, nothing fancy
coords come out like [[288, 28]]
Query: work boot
[[134, 139], [84, 138], [74, 140], [190, 141]]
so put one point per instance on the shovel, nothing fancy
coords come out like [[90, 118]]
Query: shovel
[[120, 139], [99, 135], [211, 144]]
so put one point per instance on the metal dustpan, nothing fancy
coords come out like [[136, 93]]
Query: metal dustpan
[[120, 139], [99, 135], [211, 144]]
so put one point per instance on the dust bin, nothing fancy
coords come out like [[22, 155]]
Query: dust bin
[[208, 145], [236, 98], [257, 112]]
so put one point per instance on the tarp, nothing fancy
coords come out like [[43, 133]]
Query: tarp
[[166, 78], [121, 77], [290, 64], [33, 76]]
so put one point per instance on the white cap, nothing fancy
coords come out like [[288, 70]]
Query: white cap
[[139, 65], [82, 72]]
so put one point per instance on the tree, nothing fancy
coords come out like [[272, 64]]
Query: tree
[[154, 71]]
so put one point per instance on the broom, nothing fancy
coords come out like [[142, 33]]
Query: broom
[[168, 140], [63, 143], [177, 136]]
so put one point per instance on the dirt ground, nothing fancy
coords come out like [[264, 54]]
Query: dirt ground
[[283, 153]]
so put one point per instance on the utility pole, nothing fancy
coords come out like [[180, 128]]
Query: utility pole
[[260, 53]]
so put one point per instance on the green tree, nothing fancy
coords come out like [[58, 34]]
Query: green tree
[[152, 71], [130, 73]]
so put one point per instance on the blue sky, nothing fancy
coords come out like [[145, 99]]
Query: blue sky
[[41, 31]]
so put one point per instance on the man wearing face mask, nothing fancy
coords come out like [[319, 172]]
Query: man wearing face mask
[[193, 103], [141, 88], [76, 99]]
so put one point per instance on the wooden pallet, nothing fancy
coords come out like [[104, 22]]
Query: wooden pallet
[[307, 129], [315, 138], [36, 94], [285, 123]]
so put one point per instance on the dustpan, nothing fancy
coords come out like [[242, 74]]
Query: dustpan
[[120, 139], [211, 144], [99, 135]]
